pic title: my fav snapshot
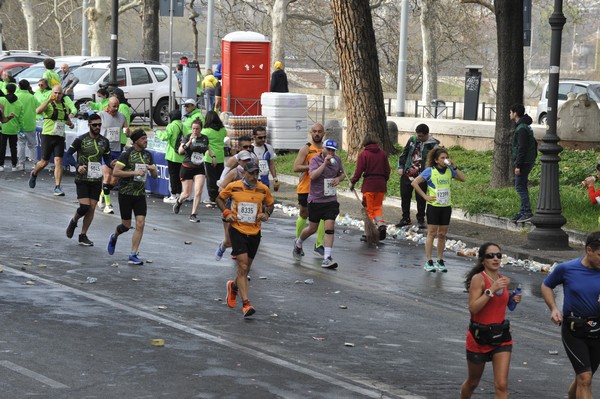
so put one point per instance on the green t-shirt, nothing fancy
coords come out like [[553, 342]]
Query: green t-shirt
[[52, 78], [55, 115], [131, 160], [216, 144]]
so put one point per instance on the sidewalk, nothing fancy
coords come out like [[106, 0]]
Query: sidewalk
[[472, 230]]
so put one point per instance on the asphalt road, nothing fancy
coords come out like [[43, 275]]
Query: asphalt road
[[377, 327]]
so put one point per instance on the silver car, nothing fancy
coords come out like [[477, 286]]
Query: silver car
[[591, 88]]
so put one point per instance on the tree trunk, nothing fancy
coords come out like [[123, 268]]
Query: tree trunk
[[193, 16], [509, 27], [30, 20], [278, 26], [150, 51], [428, 19], [359, 71], [100, 27]]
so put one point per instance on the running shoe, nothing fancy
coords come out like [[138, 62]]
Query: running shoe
[[382, 232], [108, 209], [429, 266], [112, 243], [220, 251], [1, 168], [101, 202], [85, 241], [515, 218], [15, 168], [32, 179], [170, 200], [441, 266], [71, 228], [20, 167], [194, 218], [176, 207], [134, 260], [319, 251], [328, 263], [248, 310], [297, 252], [421, 225], [58, 191], [231, 294]]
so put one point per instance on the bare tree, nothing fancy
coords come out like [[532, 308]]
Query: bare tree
[[99, 16], [32, 25], [359, 70], [428, 35], [193, 16], [150, 35]]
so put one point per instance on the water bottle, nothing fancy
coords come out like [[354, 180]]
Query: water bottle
[[511, 301]]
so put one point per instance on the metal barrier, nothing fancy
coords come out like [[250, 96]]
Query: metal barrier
[[490, 109], [314, 106]]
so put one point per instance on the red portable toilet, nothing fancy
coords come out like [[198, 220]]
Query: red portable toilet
[[245, 72]]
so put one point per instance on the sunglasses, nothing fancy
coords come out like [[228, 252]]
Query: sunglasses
[[493, 255], [246, 147], [95, 124], [261, 137]]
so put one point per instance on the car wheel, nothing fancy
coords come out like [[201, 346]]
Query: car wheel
[[543, 119], [161, 112]]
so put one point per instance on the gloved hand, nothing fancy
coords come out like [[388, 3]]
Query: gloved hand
[[276, 185], [351, 186]]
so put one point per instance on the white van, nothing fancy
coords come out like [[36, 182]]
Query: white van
[[591, 88]]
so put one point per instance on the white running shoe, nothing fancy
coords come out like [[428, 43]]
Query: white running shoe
[[108, 209]]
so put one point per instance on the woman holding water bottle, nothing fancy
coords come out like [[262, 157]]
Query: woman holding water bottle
[[488, 335]]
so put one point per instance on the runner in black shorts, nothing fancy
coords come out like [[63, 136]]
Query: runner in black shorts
[[91, 149], [132, 168]]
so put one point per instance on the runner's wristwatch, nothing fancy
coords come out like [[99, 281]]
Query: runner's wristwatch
[[489, 293]]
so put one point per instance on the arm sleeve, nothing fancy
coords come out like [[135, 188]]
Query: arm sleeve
[[522, 142], [75, 146]]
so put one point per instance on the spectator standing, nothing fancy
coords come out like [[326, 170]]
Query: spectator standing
[[580, 314], [214, 158], [173, 135], [101, 100], [10, 129], [209, 84], [43, 91], [411, 163], [524, 153], [191, 114], [373, 166], [589, 182], [50, 75], [27, 137], [68, 81], [279, 82]]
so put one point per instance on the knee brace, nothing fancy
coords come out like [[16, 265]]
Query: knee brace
[[122, 229], [106, 188], [83, 209], [329, 231]]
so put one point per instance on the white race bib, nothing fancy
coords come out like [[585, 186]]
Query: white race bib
[[329, 187], [94, 170], [247, 211], [141, 166], [59, 129], [442, 196], [197, 158], [263, 167], [113, 134]]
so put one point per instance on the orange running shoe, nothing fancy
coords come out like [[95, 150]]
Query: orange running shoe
[[248, 310], [231, 294]]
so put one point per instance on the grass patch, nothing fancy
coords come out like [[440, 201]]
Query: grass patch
[[476, 197]]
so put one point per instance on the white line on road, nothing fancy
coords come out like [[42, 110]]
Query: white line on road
[[32, 374], [353, 386]]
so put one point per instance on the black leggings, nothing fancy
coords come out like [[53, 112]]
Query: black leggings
[[12, 142], [174, 180], [213, 173]]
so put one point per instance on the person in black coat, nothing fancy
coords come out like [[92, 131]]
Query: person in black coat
[[279, 83]]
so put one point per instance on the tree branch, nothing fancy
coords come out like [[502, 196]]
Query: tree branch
[[315, 20], [483, 3], [129, 5]]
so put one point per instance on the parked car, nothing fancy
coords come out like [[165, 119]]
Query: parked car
[[13, 67], [137, 79], [591, 88], [35, 72], [32, 57]]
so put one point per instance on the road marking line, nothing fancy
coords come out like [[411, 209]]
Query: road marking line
[[32, 374], [362, 389]]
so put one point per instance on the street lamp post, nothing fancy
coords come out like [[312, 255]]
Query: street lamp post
[[548, 219]]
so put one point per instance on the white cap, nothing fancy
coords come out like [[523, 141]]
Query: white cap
[[190, 101]]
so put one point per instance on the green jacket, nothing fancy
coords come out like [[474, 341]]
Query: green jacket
[[13, 126], [126, 111], [174, 129], [187, 123], [99, 106], [216, 144], [524, 145], [29, 105]]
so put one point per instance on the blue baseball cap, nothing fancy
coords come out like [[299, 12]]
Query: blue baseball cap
[[331, 144]]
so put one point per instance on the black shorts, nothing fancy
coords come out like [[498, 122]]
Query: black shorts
[[52, 144], [135, 203], [303, 200], [479, 358], [88, 189], [584, 353], [323, 211], [243, 243], [438, 215], [186, 173]]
